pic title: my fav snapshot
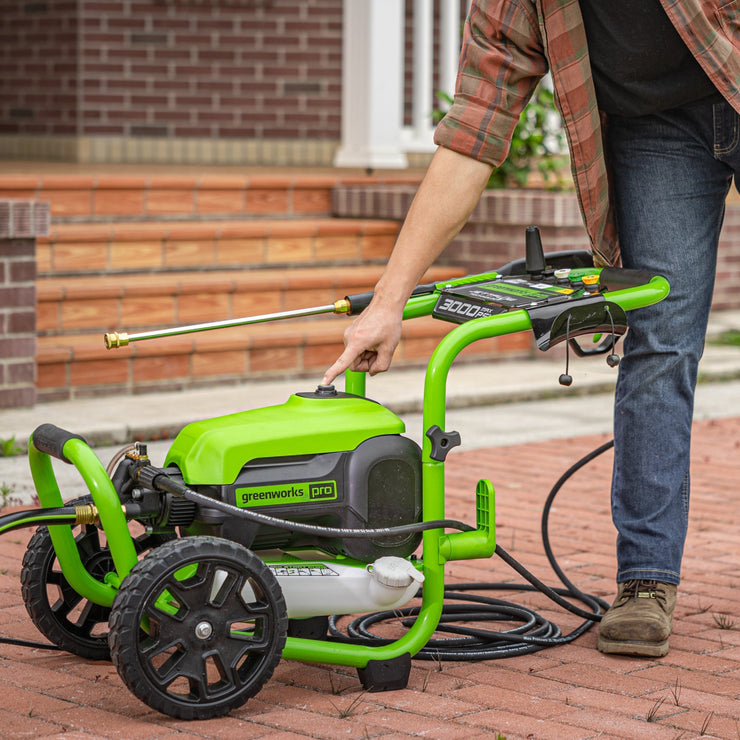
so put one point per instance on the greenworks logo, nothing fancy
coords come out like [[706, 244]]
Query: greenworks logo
[[293, 493]]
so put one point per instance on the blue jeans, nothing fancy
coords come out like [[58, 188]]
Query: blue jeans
[[672, 172]]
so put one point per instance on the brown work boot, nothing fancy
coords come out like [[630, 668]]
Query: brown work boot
[[640, 620]]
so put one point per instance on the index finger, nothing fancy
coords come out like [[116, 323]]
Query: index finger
[[342, 363]]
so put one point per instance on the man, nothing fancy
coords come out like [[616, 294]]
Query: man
[[652, 87]]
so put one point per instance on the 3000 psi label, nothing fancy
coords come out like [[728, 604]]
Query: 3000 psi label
[[289, 493]]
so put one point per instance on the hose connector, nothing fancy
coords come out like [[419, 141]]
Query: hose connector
[[87, 514], [146, 476]]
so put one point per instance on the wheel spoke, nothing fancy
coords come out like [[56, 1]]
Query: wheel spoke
[[193, 591], [169, 671], [67, 601], [198, 687], [258, 608], [56, 578], [257, 639], [153, 645], [90, 618], [163, 629], [182, 664], [88, 542], [233, 661], [224, 586]]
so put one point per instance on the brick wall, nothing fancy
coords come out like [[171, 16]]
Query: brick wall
[[20, 223], [162, 69], [38, 67], [223, 68], [494, 233]]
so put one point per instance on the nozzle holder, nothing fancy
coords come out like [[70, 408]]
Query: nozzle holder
[[535, 256]]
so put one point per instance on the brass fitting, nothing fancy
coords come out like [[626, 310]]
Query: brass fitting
[[87, 514], [138, 452], [116, 339]]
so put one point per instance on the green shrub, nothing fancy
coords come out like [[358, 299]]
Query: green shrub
[[538, 144]]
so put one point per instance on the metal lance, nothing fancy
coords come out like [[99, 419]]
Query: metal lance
[[121, 339]]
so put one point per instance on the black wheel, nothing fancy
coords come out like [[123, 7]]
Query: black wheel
[[58, 611], [198, 627]]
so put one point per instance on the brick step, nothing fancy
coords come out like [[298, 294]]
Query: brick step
[[89, 197], [79, 366], [99, 248], [134, 303]]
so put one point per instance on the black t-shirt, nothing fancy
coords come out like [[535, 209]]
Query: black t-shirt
[[639, 62]]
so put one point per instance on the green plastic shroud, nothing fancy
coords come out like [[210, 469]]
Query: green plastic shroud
[[213, 451]]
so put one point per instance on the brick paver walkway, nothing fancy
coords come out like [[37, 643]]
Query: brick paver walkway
[[569, 691]]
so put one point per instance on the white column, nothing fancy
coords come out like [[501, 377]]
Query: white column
[[423, 69], [372, 84], [419, 136], [449, 44]]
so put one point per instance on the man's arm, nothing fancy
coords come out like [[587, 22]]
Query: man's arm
[[446, 197]]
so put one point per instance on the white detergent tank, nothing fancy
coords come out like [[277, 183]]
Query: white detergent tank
[[322, 588]]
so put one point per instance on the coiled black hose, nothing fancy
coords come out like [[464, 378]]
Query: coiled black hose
[[532, 631]]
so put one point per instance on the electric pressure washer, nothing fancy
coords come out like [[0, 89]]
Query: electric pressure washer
[[263, 525]]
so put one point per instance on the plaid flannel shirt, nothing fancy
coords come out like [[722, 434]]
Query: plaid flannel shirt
[[508, 45]]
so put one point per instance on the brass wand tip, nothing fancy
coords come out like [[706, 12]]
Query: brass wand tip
[[116, 339]]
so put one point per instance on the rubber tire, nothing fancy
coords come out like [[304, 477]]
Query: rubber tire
[[39, 571], [179, 685]]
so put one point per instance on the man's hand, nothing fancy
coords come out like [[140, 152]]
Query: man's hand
[[446, 197], [369, 342]]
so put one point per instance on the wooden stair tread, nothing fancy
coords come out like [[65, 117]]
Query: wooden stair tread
[[120, 248], [87, 196], [188, 180], [183, 282], [136, 230]]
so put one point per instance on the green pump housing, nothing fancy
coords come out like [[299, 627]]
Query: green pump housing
[[325, 458]]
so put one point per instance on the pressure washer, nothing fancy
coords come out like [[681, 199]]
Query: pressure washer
[[263, 526]]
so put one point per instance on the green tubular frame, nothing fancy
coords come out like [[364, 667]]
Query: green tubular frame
[[438, 547], [112, 519]]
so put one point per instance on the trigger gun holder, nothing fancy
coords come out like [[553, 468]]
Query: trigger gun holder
[[555, 323]]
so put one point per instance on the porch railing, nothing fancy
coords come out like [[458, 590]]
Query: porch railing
[[374, 133]]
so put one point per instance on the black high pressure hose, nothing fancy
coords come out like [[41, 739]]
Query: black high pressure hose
[[83, 514], [19, 519], [157, 479]]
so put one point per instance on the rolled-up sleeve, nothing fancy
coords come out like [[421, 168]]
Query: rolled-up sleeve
[[501, 61]]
